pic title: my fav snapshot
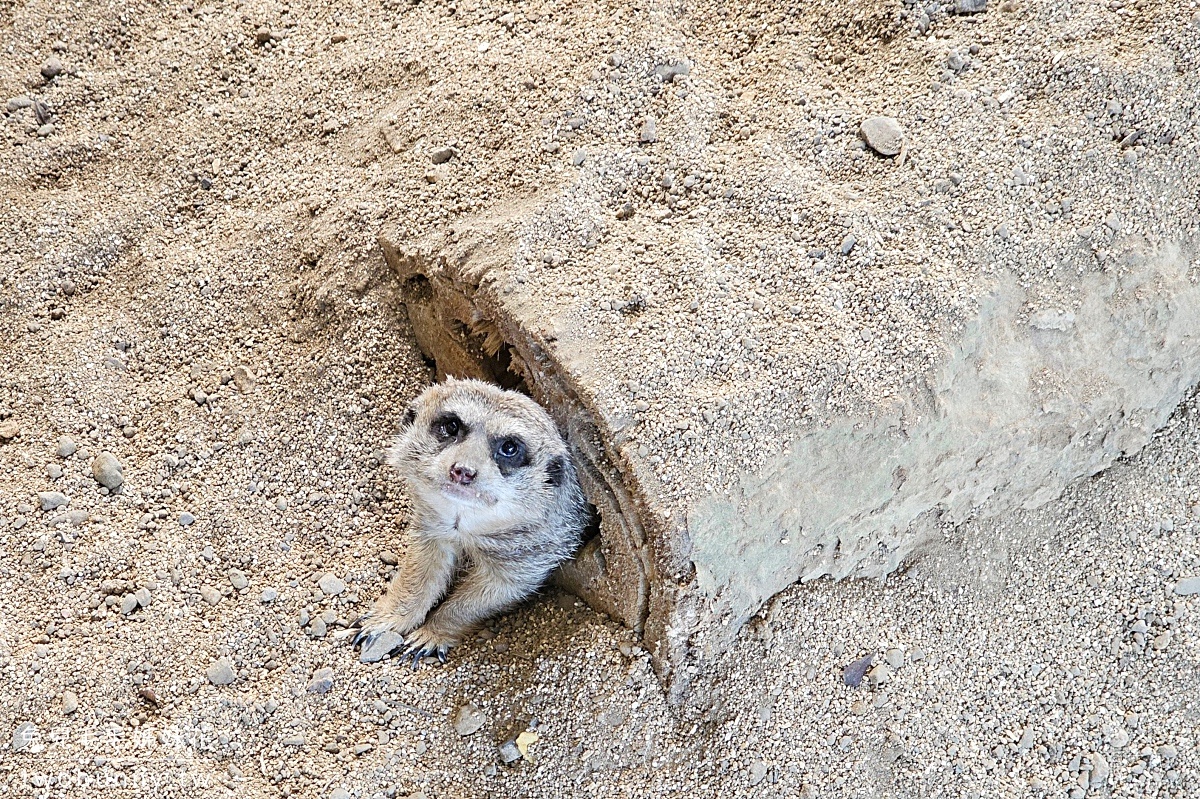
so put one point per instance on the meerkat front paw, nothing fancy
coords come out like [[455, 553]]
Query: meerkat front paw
[[427, 641]]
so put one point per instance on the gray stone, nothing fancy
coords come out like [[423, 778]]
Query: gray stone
[[66, 447], [129, 604], [853, 674], [331, 585], [848, 243], [143, 596], [649, 131], [295, 740], [970, 6], [758, 772], [221, 672], [894, 657], [238, 579], [52, 69], [1101, 771], [269, 595], [107, 471], [468, 720], [186, 519], [51, 500], [24, 736], [379, 647], [883, 135], [318, 628], [70, 702], [54, 471], [441, 155], [1188, 586], [244, 379], [209, 594], [321, 682], [74, 518], [339, 793], [508, 751]]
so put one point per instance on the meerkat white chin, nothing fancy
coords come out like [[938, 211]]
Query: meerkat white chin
[[497, 506]]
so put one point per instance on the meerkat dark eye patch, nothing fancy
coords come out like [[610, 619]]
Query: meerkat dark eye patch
[[410, 416], [556, 470], [448, 427], [510, 453]]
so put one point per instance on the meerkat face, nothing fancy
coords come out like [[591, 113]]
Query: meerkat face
[[480, 453]]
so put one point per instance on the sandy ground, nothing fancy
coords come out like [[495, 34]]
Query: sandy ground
[[190, 282]]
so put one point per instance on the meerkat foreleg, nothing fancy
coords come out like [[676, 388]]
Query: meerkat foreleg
[[485, 591], [423, 573]]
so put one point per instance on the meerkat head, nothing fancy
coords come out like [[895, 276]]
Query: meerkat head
[[469, 447]]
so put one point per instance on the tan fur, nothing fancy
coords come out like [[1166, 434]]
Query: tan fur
[[485, 545]]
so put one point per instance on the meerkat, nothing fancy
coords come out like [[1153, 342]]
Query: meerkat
[[496, 506]]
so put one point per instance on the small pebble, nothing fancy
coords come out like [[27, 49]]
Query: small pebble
[[210, 595], [221, 672], [468, 720], [52, 69], [894, 657], [387, 557], [24, 736], [129, 604], [186, 519], [853, 674], [441, 155], [883, 135], [508, 751], [107, 471], [269, 595], [648, 134], [321, 682], [848, 243], [331, 585], [376, 649], [50, 500], [9, 430], [70, 702], [1187, 586], [238, 579], [143, 597]]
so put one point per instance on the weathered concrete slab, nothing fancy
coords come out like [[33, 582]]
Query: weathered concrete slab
[[781, 356]]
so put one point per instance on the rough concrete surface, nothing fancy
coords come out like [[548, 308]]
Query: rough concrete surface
[[670, 218]]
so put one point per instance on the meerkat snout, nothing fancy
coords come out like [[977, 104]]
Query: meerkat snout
[[463, 475], [496, 507]]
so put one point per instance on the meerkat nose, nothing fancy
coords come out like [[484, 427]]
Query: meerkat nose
[[462, 475]]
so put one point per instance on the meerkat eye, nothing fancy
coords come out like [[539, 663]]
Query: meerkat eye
[[448, 427], [510, 453]]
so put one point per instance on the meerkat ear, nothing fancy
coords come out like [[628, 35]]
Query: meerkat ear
[[556, 470]]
